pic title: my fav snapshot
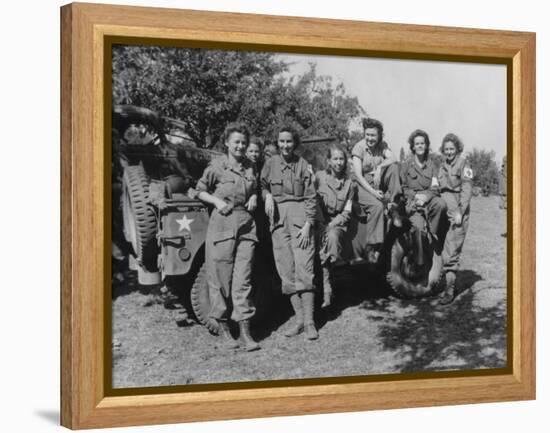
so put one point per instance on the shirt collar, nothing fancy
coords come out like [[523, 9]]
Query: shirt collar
[[420, 167], [454, 163], [290, 165], [334, 182], [238, 167]]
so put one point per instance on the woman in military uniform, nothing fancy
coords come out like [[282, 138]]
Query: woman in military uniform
[[229, 184], [420, 185], [335, 191], [290, 203], [455, 182], [377, 178]]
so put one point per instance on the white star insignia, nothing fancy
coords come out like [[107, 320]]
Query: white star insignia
[[185, 223]]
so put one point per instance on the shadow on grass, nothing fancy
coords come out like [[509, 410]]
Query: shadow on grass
[[125, 282], [470, 333], [351, 286]]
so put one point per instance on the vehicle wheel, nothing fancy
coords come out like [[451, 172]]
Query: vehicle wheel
[[200, 301], [399, 280], [139, 222]]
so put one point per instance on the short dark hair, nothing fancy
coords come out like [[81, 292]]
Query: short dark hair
[[453, 138], [239, 127], [335, 146], [292, 131], [369, 122], [419, 133], [257, 141]]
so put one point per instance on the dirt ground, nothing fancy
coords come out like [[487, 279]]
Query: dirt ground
[[367, 332]]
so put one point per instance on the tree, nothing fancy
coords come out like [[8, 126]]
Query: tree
[[484, 166], [206, 89]]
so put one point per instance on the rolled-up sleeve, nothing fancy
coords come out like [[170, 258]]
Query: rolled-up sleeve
[[358, 150], [208, 180]]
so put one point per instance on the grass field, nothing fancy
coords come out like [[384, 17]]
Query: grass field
[[367, 332]]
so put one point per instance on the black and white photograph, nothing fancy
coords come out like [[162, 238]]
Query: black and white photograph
[[283, 216]]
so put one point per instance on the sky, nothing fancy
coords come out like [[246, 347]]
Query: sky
[[468, 99]]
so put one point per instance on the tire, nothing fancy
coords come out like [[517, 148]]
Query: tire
[[200, 301], [200, 298], [139, 221], [402, 285]]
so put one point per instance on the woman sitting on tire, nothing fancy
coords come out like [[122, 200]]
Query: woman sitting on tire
[[377, 178], [290, 204], [455, 181], [336, 192], [420, 185], [229, 184]]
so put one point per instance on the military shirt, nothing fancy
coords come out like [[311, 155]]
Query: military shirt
[[290, 182], [417, 179], [335, 196], [370, 158], [232, 182], [457, 177]]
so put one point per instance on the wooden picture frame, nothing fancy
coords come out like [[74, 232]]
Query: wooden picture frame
[[85, 223]]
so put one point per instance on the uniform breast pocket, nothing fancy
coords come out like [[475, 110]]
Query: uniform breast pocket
[[340, 203], [227, 183], [276, 186], [299, 187], [412, 178], [328, 200], [455, 178]]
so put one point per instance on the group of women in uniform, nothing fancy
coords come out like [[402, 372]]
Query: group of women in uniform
[[308, 213]]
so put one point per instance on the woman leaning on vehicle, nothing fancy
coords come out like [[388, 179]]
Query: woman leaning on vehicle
[[290, 204], [229, 184]]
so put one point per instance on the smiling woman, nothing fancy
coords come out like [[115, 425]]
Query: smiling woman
[[229, 184]]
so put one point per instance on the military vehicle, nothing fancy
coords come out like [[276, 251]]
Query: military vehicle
[[154, 165]]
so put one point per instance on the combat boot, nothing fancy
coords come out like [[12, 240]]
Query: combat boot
[[327, 288], [249, 344], [228, 341], [448, 294], [298, 326], [309, 324]]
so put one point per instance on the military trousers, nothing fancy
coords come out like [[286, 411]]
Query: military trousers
[[331, 242], [436, 208], [456, 235], [294, 264], [230, 246], [373, 208]]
